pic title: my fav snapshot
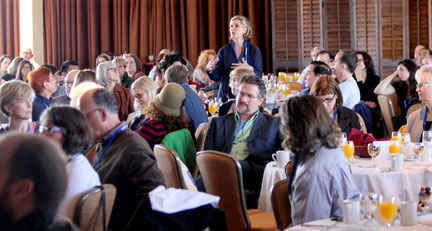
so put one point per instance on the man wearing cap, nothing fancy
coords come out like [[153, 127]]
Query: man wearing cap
[[248, 135], [123, 159]]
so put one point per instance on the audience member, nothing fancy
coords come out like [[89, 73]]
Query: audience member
[[143, 90], [366, 77], [200, 74], [417, 54], [33, 182], [239, 53], [134, 67], [126, 81], [101, 58], [327, 90], [12, 69], [427, 60], [27, 54], [43, 84], [85, 75], [344, 66], [250, 136], [109, 54], [80, 89], [5, 60], [316, 69], [234, 82], [193, 105], [326, 57], [69, 65], [24, 67], [16, 104], [321, 178], [156, 72], [314, 52], [423, 53], [69, 127], [403, 83], [123, 159], [107, 76], [421, 120]]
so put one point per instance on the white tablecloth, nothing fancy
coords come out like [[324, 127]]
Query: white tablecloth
[[404, 185], [334, 225]]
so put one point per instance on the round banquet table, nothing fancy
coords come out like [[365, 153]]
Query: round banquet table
[[404, 185]]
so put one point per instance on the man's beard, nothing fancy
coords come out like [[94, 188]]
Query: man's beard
[[243, 110]]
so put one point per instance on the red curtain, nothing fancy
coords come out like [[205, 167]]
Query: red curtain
[[9, 28], [82, 29]]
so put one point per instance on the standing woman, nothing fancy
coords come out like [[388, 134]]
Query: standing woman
[[16, 104], [107, 76], [200, 74], [24, 68], [403, 83], [239, 53], [133, 66], [143, 90]]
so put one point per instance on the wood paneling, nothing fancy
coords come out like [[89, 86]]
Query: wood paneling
[[392, 29], [312, 17], [338, 25], [418, 24], [366, 27]]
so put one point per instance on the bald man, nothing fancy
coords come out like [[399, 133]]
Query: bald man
[[27, 54], [32, 181], [123, 159]]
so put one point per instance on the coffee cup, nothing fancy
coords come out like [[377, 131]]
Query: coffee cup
[[351, 212], [408, 213], [281, 158], [396, 162]]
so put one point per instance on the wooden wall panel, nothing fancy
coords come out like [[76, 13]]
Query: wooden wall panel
[[338, 25], [366, 27], [312, 16], [418, 24], [392, 29]]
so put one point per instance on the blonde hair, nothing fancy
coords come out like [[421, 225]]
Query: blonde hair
[[86, 75], [13, 91], [119, 61], [246, 24], [237, 74], [147, 85], [203, 58], [79, 90]]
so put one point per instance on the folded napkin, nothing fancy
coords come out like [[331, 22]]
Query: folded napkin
[[173, 200], [359, 138], [426, 219]]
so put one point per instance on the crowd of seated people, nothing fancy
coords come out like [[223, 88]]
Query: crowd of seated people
[[105, 120]]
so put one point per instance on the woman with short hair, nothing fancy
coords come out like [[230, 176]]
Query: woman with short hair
[[107, 76], [16, 104], [143, 90], [69, 127], [327, 90], [321, 178]]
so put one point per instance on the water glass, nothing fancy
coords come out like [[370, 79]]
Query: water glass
[[368, 204]]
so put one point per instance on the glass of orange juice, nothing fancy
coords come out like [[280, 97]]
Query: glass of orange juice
[[388, 209], [296, 76], [212, 107], [281, 76], [394, 147], [396, 136], [286, 89], [348, 150]]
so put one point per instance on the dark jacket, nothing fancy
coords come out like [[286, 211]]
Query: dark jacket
[[128, 164], [124, 100], [347, 119], [40, 103], [127, 81], [226, 56]]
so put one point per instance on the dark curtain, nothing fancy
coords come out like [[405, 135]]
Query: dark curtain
[[9, 28], [82, 29]]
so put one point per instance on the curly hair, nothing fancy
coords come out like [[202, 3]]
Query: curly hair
[[203, 59], [307, 126], [172, 123]]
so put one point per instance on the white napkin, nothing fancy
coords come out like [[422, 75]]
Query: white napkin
[[173, 200], [426, 219]]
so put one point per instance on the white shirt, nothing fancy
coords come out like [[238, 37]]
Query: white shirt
[[81, 177], [350, 92]]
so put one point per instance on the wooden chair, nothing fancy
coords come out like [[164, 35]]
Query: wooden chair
[[281, 204], [200, 135], [169, 163], [402, 129], [222, 176], [387, 111], [362, 123], [91, 206], [414, 108], [395, 106]]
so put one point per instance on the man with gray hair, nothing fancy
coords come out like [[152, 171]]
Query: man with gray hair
[[179, 74], [313, 55], [250, 136]]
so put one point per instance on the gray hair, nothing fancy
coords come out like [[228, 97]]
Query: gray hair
[[314, 49], [425, 69], [177, 74], [255, 80], [101, 71]]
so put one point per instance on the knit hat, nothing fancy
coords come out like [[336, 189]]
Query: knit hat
[[170, 99]]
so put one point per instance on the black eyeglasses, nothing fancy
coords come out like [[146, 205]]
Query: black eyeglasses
[[50, 129], [328, 100]]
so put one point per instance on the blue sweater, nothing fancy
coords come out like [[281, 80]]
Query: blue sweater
[[40, 103]]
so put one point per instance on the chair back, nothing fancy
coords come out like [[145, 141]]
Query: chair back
[[362, 123], [222, 177], [414, 108], [288, 168], [281, 204], [91, 207], [182, 143], [387, 111], [295, 86], [200, 135], [394, 104], [169, 163]]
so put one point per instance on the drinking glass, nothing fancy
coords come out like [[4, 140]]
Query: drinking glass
[[396, 136], [427, 136], [418, 148], [212, 107], [348, 150], [368, 204], [374, 150], [344, 138], [405, 144], [286, 89], [388, 209], [394, 147]]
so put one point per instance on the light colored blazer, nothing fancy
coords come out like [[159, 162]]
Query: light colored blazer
[[415, 124]]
